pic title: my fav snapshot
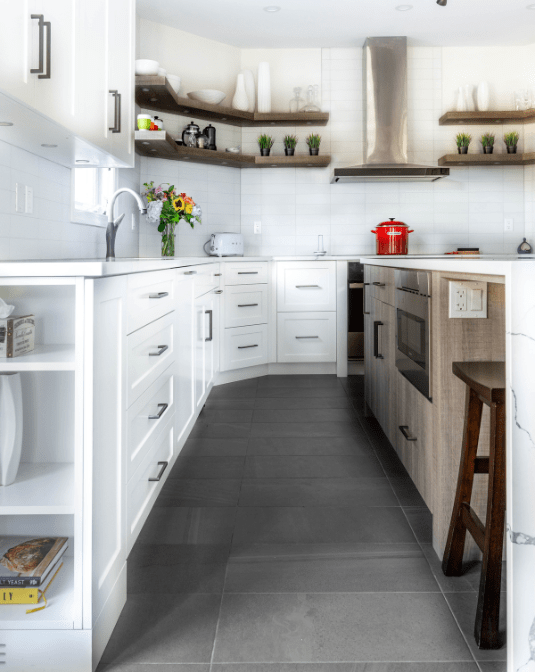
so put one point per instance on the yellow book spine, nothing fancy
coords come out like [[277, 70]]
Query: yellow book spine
[[19, 595]]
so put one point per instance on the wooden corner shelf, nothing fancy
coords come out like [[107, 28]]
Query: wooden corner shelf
[[487, 159], [485, 118], [159, 144], [156, 93]]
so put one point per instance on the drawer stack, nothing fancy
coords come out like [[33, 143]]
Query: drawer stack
[[306, 311], [149, 398], [245, 315]]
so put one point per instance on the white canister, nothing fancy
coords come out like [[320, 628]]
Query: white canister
[[10, 426], [264, 88], [483, 96]]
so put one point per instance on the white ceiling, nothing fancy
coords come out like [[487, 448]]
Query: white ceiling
[[346, 23]]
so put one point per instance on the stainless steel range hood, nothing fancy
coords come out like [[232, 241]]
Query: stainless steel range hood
[[384, 79]]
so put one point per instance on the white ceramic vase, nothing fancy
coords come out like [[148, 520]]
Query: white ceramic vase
[[460, 100], [240, 100], [264, 88], [483, 96], [469, 97], [10, 426], [249, 88]]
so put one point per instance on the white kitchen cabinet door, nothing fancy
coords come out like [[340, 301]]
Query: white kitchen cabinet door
[[19, 49], [244, 347], [185, 352], [104, 542], [211, 357], [200, 332], [246, 305], [306, 337], [306, 286]]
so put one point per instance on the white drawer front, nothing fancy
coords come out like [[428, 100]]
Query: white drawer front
[[205, 277], [246, 305], [306, 286], [146, 417], [141, 491], [245, 272], [309, 337], [150, 295], [245, 346], [150, 351]]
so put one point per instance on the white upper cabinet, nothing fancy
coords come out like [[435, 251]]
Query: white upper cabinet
[[19, 53]]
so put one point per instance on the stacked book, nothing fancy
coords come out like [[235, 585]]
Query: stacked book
[[28, 567]]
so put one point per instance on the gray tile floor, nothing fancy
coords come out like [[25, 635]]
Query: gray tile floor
[[289, 538]]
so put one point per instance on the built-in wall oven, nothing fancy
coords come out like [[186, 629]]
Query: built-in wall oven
[[413, 343]]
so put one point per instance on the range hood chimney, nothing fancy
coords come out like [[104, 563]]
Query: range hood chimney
[[384, 76]]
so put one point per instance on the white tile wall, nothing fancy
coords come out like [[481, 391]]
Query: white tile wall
[[48, 233]]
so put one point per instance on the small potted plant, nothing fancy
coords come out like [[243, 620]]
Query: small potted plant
[[265, 143], [487, 140], [314, 142], [511, 140], [463, 140], [290, 141]]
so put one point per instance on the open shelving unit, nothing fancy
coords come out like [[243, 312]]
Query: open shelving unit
[[491, 117], [487, 159], [41, 488], [161, 145], [43, 358]]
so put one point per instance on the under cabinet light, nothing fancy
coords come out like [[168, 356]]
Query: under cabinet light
[[48, 145], [272, 8]]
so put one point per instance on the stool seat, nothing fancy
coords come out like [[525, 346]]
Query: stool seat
[[485, 383]]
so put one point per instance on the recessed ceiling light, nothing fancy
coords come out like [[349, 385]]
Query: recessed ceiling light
[[6, 123], [403, 8], [48, 145], [272, 8], [82, 161]]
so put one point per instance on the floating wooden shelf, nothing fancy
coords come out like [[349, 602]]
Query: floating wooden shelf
[[487, 159], [155, 93], [485, 118], [161, 145]]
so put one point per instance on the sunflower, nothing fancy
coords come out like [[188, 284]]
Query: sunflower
[[178, 203]]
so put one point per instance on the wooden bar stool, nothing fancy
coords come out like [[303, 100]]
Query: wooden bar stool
[[486, 385]]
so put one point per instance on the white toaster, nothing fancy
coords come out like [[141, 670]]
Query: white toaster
[[224, 245]]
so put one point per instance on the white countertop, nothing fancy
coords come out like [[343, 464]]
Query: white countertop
[[96, 268]]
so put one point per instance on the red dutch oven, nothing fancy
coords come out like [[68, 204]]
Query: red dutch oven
[[392, 237]]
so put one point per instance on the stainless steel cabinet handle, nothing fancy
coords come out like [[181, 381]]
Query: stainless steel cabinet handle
[[211, 313], [218, 291], [366, 312], [217, 275], [307, 286], [190, 272], [159, 295], [247, 272], [379, 284], [298, 337], [244, 347], [42, 25], [376, 352], [40, 69], [405, 431], [163, 466], [163, 408], [116, 128], [247, 305], [162, 349]]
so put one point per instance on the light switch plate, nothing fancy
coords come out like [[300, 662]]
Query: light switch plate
[[20, 197], [468, 299]]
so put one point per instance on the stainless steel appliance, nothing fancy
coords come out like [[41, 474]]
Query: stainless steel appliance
[[413, 313], [355, 311], [224, 245]]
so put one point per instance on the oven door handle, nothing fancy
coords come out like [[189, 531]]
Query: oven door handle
[[376, 352]]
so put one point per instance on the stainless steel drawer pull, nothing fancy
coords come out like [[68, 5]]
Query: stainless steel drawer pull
[[160, 295], [405, 431], [307, 286], [244, 347], [40, 69], [163, 408], [163, 466], [211, 314], [217, 275], [190, 272], [298, 337], [116, 128], [379, 284], [247, 272], [247, 305], [218, 291], [162, 349]]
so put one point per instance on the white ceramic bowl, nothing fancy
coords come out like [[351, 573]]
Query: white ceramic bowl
[[144, 66], [174, 80], [162, 72], [211, 96]]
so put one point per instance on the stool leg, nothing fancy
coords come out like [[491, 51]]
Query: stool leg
[[453, 553], [486, 628]]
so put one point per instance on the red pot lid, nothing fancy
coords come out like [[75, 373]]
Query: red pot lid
[[393, 222]]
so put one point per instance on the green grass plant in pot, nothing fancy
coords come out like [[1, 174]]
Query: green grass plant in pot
[[265, 142], [487, 140], [290, 141], [511, 140], [314, 142], [463, 141]]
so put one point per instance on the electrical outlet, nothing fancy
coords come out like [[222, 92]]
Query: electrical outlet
[[468, 299], [258, 227], [29, 200], [508, 224], [20, 198]]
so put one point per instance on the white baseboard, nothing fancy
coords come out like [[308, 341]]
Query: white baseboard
[[275, 369]]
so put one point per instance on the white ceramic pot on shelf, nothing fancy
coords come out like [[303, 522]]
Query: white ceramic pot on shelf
[[264, 88], [10, 426], [483, 96], [469, 97], [240, 100], [460, 100], [250, 88]]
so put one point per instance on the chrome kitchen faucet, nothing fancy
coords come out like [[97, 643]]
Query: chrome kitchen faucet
[[113, 225]]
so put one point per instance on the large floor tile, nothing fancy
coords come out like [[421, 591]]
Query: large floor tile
[[495, 666], [303, 415], [198, 447], [156, 579], [208, 467], [304, 392], [421, 522], [345, 667], [406, 492], [199, 492], [323, 568], [151, 667], [338, 627], [293, 525], [464, 607], [311, 466], [316, 381], [211, 415], [184, 525], [170, 629], [334, 445], [317, 492], [233, 391], [448, 584], [300, 402], [301, 429], [220, 430], [214, 404]]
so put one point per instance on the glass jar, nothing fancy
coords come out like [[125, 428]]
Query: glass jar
[[310, 106]]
